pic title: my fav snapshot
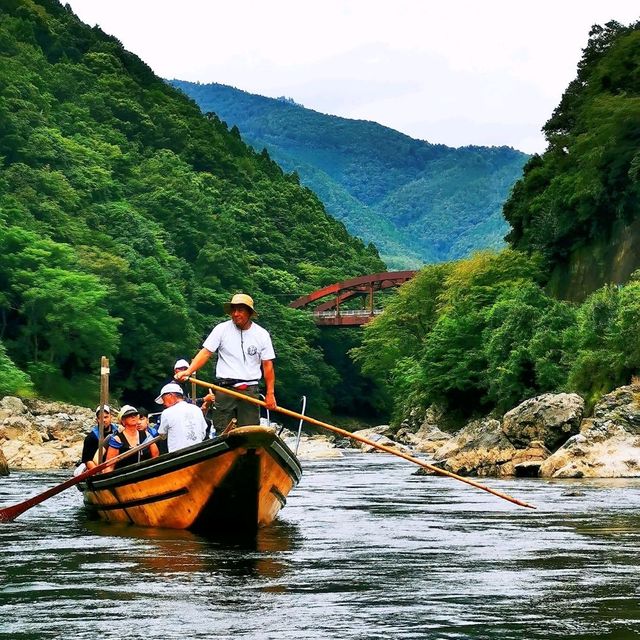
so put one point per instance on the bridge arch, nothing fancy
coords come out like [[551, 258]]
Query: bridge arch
[[329, 312]]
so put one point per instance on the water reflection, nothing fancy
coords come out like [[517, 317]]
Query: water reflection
[[178, 551]]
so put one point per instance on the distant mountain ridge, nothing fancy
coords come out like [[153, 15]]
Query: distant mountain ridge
[[417, 201]]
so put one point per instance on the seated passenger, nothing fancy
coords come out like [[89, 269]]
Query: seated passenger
[[144, 424], [92, 439], [128, 438], [205, 403], [152, 429], [183, 423], [180, 365]]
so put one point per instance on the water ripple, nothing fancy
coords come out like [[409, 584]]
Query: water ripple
[[363, 550]]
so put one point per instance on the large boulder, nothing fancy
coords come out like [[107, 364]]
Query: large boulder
[[20, 428], [42, 435], [622, 407], [379, 437], [11, 407], [549, 418], [55, 455], [4, 465], [315, 447], [480, 448], [428, 438], [608, 445]]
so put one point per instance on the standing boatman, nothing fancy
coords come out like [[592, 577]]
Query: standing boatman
[[245, 352]]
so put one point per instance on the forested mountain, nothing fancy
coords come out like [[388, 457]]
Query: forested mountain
[[127, 218], [485, 333], [418, 202], [579, 203]]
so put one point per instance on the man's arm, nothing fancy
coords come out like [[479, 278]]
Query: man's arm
[[199, 360], [270, 382]]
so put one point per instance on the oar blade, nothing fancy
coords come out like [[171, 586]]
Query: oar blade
[[9, 514]]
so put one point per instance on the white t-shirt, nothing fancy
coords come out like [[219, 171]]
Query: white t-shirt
[[240, 351], [184, 425]]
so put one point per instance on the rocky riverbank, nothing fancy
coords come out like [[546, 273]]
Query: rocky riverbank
[[545, 436], [548, 436], [41, 435]]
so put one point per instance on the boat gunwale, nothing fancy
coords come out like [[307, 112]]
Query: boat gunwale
[[200, 452]]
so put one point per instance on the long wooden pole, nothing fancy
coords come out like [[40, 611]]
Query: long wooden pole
[[194, 392], [104, 399], [8, 514], [354, 436]]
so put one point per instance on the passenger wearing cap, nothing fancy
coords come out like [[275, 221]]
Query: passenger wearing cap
[[205, 402], [128, 438], [183, 423], [92, 439], [180, 365], [245, 353]]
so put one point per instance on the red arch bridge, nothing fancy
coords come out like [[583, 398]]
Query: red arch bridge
[[331, 313]]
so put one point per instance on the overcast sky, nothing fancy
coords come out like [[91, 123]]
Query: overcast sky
[[486, 72]]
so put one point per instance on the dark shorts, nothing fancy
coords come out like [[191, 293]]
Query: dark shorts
[[228, 407]]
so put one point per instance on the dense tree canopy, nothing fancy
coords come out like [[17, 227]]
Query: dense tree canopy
[[481, 335], [127, 218], [589, 177]]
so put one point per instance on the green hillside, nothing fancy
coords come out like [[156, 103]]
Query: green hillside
[[559, 312], [417, 202], [579, 203], [127, 218]]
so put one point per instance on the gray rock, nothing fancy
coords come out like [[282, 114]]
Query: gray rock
[[311, 447], [608, 445], [621, 407], [480, 448], [551, 418], [425, 441], [20, 428], [11, 406], [40, 435], [376, 435], [4, 465]]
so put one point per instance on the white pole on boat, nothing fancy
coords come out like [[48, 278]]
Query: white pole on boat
[[268, 416], [304, 406]]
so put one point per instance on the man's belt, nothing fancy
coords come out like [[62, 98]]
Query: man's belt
[[233, 383]]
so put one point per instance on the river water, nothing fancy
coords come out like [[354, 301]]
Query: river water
[[363, 549]]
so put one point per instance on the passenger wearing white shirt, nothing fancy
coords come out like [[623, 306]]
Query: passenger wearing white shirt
[[245, 353], [183, 423]]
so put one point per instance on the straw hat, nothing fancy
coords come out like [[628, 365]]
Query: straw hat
[[239, 298]]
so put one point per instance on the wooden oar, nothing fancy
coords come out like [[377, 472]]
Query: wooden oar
[[353, 436], [8, 514]]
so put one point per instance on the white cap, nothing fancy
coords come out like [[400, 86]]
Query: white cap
[[181, 364], [172, 387], [107, 409], [128, 410]]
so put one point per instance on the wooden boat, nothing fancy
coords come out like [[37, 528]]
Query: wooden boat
[[237, 481]]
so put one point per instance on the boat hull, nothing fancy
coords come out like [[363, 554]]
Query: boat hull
[[238, 481]]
